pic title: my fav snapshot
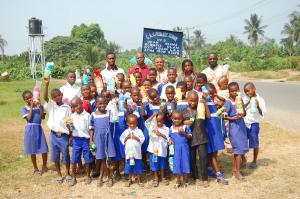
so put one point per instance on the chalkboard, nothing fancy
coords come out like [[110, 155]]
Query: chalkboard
[[162, 42]]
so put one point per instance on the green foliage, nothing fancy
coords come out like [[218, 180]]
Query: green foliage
[[254, 29]]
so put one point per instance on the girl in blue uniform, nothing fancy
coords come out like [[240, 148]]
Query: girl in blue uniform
[[180, 136], [170, 103], [182, 104], [34, 138], [102, 137], [237, 130]]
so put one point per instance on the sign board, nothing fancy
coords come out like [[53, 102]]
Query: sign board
[[162, 42]]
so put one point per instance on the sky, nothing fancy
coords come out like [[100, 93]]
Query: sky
[[122, 21]]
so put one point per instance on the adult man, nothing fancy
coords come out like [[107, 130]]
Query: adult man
[[214, 71], [111, 69], [140, 66], [161, 71]]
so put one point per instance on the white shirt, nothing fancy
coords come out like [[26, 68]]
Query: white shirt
[[58, 116], [159, 142], [108, 74], [163, 91], [213, 75], [132, 144], [162, 76], [69, 92], [81, 123], [223, 93], [251, 118]]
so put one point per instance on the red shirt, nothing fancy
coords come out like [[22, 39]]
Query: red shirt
[[144, 70]]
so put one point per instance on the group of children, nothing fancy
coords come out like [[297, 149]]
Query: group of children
[[177, 127]]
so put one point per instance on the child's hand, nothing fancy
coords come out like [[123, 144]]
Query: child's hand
[[157, 133], [47, 80], [181, 131], [170, 142]]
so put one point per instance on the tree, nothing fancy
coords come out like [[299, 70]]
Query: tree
[[3, 43], [92, 34], [292, 30], [198, 40], [91, 55], [254, 29], [113, 47]]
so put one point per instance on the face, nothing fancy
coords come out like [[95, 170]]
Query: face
[[188, 67], [212, 92], [93, 91], [71, 78], [213, 60], [172, 76], [57, 97], [138, 78], [135, 95], [77, 106], [189, 83], [107, 96], [170, 93], [101, 104], [177, 119], [200, 82], [91, 80], [120, 77], [147, 85], [140, 59], [28, 98], [233, 91], [152, 76], [250, 91], [85, 91], [183, 90], [126, 86], [223, 84], [160, 120], [132, 122], [154, 98], [159, 64], [193, 101], [111, 59]]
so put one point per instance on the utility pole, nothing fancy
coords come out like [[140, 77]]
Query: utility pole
[[188, 41]]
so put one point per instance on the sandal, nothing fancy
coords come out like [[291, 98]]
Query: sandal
[[110, 182], [165, 181], [59, 180], [177, 185], [238, 176], [155, 183], [87, 180], [116, 175], [128, 183], [44, 170], [37, 172], [68, 178], [72, 182]]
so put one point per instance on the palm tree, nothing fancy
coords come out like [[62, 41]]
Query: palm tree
[[91, 55], [254, 29], [3, 43], [292, 30], [198, 40]]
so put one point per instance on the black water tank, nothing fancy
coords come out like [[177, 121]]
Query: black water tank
[[35, 26]]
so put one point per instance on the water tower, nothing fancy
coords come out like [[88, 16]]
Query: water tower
[[36, 46]]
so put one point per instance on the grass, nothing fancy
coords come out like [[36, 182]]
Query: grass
[[277, 175]]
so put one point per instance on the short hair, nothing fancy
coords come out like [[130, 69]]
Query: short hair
[[147, 80], [120, 74], [152, 91], [135, 88], [211, 86], [137, 72], [131, 116], [71, 72], [25, 93], [201, 76], [162, 114], [192, 93], [186, 61], [176, 112], [170, 87], [249, 84], [212, 53], [172, 69], [55, 90], [231, 84], [181, 84], [153, 70], [110, 53]]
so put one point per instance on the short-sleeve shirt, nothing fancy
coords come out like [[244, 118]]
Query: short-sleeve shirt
[[213, 75], [36, 116], [132, 144], [81, 123], [58, 116], [176, 137], [108, 74], [251, 118], [144, 71], [69, 92]]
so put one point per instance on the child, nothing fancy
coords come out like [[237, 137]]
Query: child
[[70, 90], [158, 146], [120, 78], [181, 103], [215, 128], [103, 138], [237, 129], [201, 80], [133, 139], [138, 78], [199, 160], [152, 75], [223, 87], [172, 74], [255, 108], [189, 83], [180, 136], [86, 97], [187, 70], [34, 138], [170, 103], [145, 89], [81, 139], [93, 96], [59, 136]]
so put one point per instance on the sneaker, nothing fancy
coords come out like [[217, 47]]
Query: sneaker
[[211, 172], [72, 182], [252, 165], [59, 180], [222, 180], [68, 178], [88, 180]]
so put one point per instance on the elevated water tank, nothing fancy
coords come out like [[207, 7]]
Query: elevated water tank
[[35, 26]]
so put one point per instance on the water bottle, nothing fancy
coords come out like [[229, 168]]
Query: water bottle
[[155, 155], [178, 94], [48, 69], [201, 111], [132, 80], [239, 105], [220, 110], [171, 163], [131, 158], [171, 149], [114, 113], [93, 149], [111, 85], [204, 90], [37, 91], [253, 105], [85, 79]]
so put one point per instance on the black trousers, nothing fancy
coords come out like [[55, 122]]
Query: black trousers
[[199, 162]]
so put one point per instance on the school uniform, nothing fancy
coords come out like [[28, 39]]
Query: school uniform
[[69, 92], [170, 108], [93, 104], [81, 137], [135, 147], [252, 121], [181, 151], [237, 130], [158, 86], [34, 137], [163, 90], [159, 144], [103, 137], [59, 136], [182, 105]]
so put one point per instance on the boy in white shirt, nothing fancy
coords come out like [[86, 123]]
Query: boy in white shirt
[[256, 108], [59, 136], [172, 75], [70, 89], [133, 139], [80, 120]]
